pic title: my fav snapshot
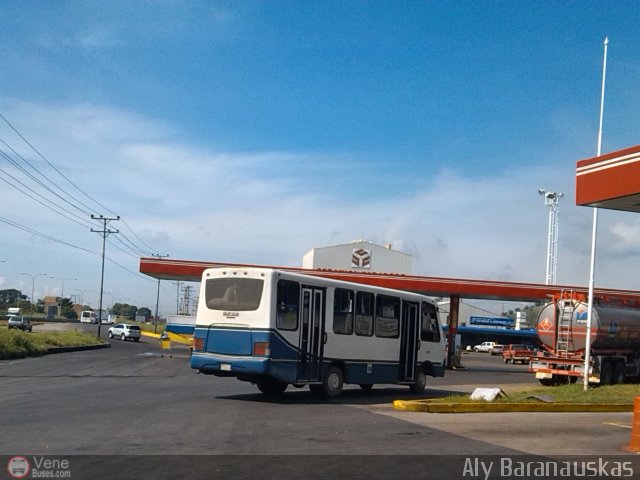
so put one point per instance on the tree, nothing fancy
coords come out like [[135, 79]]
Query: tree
[[10, 298], [66, 308], [124, 310], [145, 312]]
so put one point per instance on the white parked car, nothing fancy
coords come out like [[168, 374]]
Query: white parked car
[[125, 331], [21, 323], [484, 347]]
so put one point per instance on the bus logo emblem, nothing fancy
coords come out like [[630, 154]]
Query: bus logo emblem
[[361, 258]]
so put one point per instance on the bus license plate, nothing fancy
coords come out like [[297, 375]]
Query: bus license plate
[[225, 367]]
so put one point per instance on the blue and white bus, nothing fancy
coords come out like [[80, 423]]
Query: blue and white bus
[[275, 328]]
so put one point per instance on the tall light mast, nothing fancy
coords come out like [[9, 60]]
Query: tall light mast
[[551, 200]]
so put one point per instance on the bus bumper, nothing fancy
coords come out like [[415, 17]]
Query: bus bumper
[[228, 366]]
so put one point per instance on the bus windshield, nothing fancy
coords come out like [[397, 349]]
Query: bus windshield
[[237, 294]]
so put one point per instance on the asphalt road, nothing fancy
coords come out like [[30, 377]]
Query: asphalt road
[[128, 401]]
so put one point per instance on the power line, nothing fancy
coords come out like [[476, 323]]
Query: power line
[[86, 210], [43, 235], [40, 201], [53, 166], [39, 182]]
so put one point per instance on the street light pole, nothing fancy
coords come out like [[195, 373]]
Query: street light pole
[[33, 284], [594, 233], [155, 325], [62, 280]]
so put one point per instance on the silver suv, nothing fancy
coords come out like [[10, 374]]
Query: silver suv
[[22, 323], [124, 331]]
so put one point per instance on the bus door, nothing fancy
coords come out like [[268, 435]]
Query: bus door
[[311, 334], [409, 340]]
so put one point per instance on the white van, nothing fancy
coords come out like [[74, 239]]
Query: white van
[[87, 316]]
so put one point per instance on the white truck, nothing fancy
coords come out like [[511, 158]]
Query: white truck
[[88, 316], [484, 347]]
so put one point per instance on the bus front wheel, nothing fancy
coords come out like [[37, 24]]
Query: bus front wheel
[[332, 382]]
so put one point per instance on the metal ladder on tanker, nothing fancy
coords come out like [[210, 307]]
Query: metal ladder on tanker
[[565, 307]]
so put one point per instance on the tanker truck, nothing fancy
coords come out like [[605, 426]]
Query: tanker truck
[[614, 341]]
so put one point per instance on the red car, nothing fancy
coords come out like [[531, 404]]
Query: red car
[[518, 352]]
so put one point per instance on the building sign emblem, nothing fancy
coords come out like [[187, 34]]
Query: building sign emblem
[[361, 258]]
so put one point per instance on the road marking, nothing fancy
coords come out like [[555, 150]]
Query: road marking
[[616, 424]]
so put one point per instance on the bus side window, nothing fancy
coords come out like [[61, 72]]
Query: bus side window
[[364, 314], [429, 330], [287, 305], [343, 311], [387, 316]]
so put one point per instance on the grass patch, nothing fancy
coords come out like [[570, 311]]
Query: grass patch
[[610, 394], [18, 344]]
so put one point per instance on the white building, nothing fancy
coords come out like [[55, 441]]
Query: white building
[[359, 256]]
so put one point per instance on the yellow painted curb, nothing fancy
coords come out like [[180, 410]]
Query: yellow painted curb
[[150, 334], [174, 337], [486, 407]]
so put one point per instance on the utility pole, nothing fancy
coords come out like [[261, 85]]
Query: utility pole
[[186, 300], [105, 232], [155, 325], [178, 297]]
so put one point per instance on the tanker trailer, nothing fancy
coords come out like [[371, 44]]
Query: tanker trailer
[[614, 342]]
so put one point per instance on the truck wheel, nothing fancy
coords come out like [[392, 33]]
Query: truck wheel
[[606, 374], [332, 382], [619, 373], [547, 382]]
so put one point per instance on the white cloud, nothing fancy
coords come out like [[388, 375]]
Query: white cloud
[[203, 203]]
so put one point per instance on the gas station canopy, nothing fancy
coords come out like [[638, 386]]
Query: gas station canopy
[[610, 181]]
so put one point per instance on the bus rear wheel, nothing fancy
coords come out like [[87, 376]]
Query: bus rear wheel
[[332, 382], [421, 382], [271, 387]]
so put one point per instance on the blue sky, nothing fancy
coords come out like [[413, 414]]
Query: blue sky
[[255, 131]]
